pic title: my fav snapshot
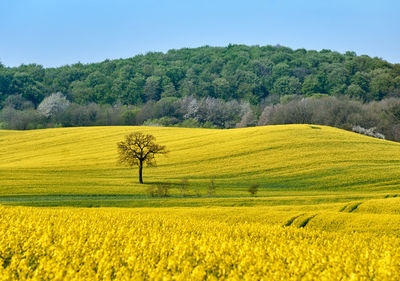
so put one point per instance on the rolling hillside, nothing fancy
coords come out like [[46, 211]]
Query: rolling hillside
[[304, 157]]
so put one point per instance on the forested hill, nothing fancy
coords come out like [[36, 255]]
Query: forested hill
[[247, 73]]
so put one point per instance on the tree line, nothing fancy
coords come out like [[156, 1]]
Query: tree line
[[248, 73], [211, 87], [377, 118]]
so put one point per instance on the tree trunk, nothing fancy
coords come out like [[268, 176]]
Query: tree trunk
[[140, 172]]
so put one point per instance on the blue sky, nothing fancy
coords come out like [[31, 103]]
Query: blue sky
[[59, 32]]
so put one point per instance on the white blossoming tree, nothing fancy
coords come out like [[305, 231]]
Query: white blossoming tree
[[53, 104]]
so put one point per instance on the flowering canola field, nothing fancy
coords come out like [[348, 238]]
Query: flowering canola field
[[186, 244], [83, 160]]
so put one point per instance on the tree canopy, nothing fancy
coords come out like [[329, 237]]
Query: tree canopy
[[250, 73], [139, 149], [223, 87]]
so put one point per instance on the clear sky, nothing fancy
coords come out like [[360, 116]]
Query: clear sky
[[59, 32]]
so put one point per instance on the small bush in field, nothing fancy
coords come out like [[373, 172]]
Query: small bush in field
[[162, 190], [151, 190], [211, 187], [253, 189], [184, 186]]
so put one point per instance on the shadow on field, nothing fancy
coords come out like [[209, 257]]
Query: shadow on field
[[176, 199]]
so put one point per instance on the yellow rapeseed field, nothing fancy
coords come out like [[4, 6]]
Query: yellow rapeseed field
[[83, 160], [177, 244], [327, 208]]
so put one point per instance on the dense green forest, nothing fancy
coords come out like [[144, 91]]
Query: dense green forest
[[239, 72], [221, 87]]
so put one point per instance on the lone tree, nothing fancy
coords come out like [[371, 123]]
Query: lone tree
[[137, 149]]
